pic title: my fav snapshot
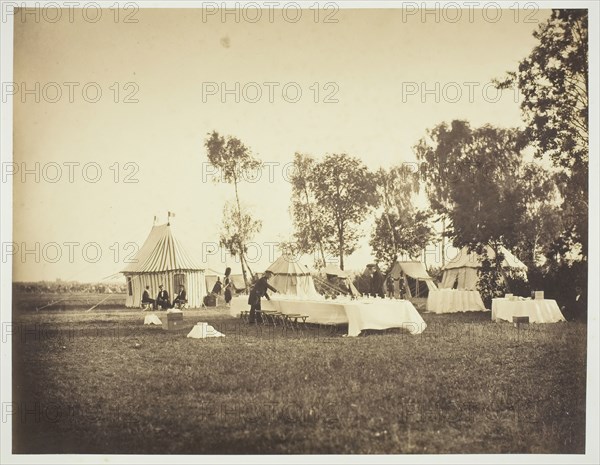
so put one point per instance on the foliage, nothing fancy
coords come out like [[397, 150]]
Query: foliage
[[553, 81], [408, 233], [563, 280], [345, 190], [439, 153], [234, 160], [400, 228], [396, 187], [542, 223], [230, 156], [308, 215], [487, 198], [237, 229], [478, 169]]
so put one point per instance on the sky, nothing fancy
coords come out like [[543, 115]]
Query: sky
[[110, 117]]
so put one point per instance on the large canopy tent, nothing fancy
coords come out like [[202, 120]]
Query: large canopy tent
[[163, 260], [292, 278], [416, 280], [462, 271]]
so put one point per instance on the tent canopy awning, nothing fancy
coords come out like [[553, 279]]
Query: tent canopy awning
[[289, 266], [473, 260], [161, 252], [415, 270]]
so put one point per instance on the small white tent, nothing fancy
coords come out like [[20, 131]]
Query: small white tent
[[292, 278], [462, 271], [237, 280], [417, 282], [163, 260]]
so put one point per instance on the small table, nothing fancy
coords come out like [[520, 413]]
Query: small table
[[538, 310]]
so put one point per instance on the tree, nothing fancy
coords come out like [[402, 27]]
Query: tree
[[308, 217], [407, 233], [483, 196], [232, 158], [400, 228], [487, 195], [553, 81], [238, 228], [542, 223], [439, 153], [345, 190]]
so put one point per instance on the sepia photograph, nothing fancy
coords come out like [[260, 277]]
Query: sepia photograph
[[246, 232]]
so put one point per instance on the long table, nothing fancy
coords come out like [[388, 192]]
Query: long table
[[454, 300], [358, 314], [538, 310]]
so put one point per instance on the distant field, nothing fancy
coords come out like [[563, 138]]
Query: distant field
[[66, 301], [100, 381]]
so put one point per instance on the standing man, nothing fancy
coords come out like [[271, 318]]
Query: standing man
[[377, 283], [228, 285], [162, 300], [390, 286], [259, 290]]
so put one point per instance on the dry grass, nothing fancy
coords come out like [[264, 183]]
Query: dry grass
[[101, 382]]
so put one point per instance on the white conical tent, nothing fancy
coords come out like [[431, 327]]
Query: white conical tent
[[163, 260], [417, 282], [292, 278], [462, 271]]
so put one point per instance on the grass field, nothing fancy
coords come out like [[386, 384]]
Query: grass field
[[100, 382]]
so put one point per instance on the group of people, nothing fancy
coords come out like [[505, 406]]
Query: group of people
[[259, 290], [382, 286], [162, 299], [225, 287]]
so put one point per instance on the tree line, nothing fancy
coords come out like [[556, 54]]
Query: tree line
[[522, 188]]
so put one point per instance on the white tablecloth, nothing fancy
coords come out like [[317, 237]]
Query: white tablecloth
[[358, 314], [538, 310], [454, 300]]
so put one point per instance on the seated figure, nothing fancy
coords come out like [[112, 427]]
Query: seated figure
[[181, 298], [162, 300], [146, 300]]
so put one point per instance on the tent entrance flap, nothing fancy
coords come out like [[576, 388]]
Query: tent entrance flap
[[413, 278]]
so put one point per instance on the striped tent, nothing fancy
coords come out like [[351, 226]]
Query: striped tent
[[292, 278], [163, 260]]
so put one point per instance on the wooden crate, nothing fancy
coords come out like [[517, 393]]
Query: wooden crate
[[173, 321]]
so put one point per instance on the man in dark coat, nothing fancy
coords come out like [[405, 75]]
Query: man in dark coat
[[228, 285], [162, 300], [259, 290], [180, 298], [377, 283], [146, 297]]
